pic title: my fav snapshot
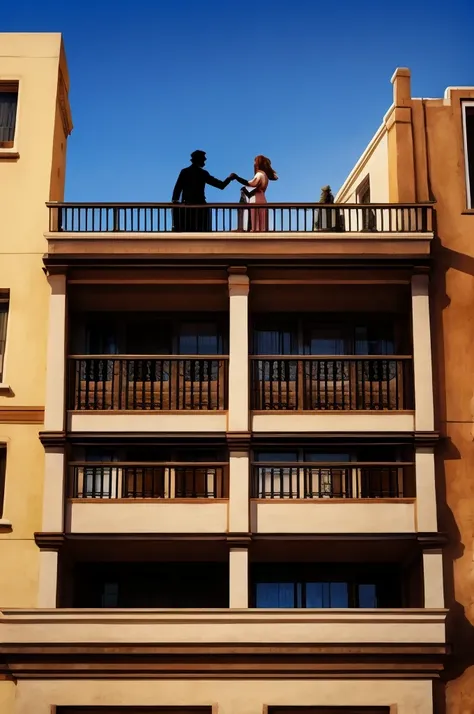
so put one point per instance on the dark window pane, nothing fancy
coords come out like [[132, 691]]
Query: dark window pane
[[8, 105], [271, 595], [367, 596]]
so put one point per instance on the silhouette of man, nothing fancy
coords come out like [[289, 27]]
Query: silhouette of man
[[190, 188]]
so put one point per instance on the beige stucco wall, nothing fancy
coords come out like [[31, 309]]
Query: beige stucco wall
[[374, 164], [231, 696], [332, 421], [329, 516], [213, 421], [427, 162], [26, 180], [131, 517]]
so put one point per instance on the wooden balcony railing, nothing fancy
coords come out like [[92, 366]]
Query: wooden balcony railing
[[224, 217], [348, 383], [147, 480], [329, 480], [156, 383]]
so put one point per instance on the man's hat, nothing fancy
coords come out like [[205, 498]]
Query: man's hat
[[198, 154]]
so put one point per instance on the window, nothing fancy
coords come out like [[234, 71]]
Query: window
[[8, 107], [300, 479], [3, 464], [4, 304], [320, 585], [468, 122]]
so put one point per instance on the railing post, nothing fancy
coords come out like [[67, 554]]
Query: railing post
[[422, 357], [238, 414]]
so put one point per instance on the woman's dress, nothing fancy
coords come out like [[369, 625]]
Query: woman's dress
[[259, 216]]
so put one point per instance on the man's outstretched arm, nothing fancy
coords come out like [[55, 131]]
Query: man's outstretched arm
[[217, 183], [178, 189]]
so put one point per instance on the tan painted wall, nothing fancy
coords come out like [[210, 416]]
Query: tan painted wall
[[332, 421], [33, 60], [231, 697], [329, 516], [148, 422], [426, 162], [130, 517], [374, 164]]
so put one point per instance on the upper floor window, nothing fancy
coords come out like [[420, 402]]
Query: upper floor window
[[468, 122], [4, 303], [8, 108]]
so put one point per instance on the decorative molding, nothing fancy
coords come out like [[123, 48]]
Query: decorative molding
[[229, 661], [239, 440], [239, 540], [52, 438], [21, 415], [432, 541], [49, 541], [9, 155], [426, 438]]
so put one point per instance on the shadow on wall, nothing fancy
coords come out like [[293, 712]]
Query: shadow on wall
[[460, 631]]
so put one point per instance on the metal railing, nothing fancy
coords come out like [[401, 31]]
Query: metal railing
[[147, 480], [156, 383], [348, 383], [224, 217], [329, 480]]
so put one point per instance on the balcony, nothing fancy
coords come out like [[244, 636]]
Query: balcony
[[358, 497], [146, 497], [143, 384], [325, 388], [304, 230]]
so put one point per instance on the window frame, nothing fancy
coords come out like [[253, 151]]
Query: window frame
[[3, 472], [11, 85], [469, 189], [4, 301]]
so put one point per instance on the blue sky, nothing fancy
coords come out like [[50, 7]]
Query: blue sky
[[304, 82]]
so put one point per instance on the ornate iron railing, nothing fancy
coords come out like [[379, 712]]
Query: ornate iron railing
[[329, 480], [348, 383], [116, 479], [156, 383]]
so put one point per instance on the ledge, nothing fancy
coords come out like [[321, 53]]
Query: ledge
[[200, 626], [9, 155], [5, 387], [5, 525]]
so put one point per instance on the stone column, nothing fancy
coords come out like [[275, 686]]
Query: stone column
[[54, 408], [49, 545], [238, 520], [422, 357], [51, 535], [433, 578], [426, 510], [238, 577], [238, 414]]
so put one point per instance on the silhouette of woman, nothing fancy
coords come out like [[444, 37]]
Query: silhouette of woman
[[263, 174]]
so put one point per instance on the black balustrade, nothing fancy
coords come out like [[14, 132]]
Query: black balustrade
[[142, 383], [329, 480], [115, 480], [308, 383], [225, 217]]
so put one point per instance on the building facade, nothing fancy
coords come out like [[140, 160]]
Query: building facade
[[229, 498]]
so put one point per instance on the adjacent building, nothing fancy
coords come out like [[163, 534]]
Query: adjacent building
[[228, 475]]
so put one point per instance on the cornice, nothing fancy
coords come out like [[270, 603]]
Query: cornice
[[49, 541]]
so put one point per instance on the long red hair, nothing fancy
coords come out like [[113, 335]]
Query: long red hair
[[262, 163]]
